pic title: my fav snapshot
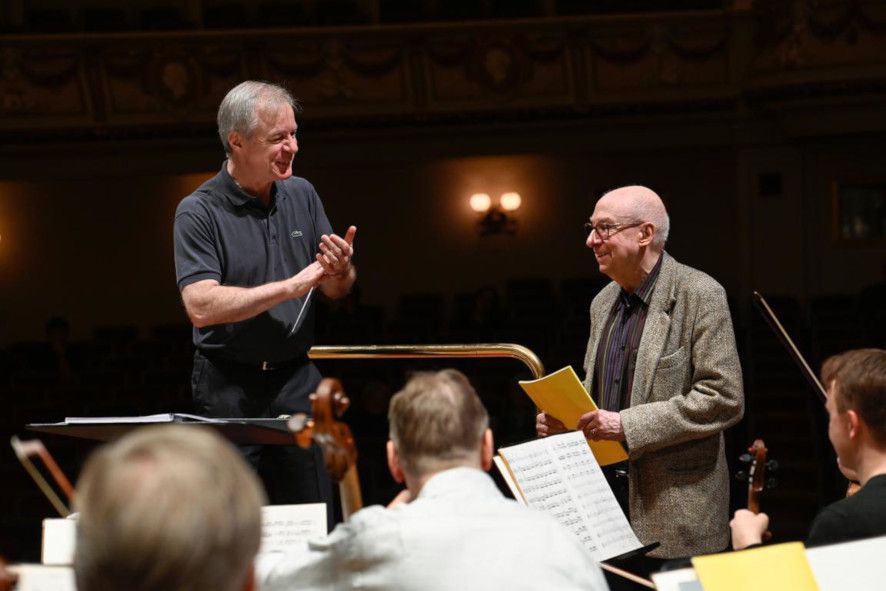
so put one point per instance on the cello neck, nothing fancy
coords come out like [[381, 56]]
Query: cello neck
[[349, 489]]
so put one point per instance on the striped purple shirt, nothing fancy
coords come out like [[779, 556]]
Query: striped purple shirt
[[619, 341]]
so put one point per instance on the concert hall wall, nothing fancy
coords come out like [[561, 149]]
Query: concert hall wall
[[85, 231]]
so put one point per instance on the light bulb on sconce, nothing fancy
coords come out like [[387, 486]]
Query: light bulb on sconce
[[510, 201], [481, 202], [495, 219]]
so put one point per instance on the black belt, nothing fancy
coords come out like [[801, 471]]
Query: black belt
[[257, 365]]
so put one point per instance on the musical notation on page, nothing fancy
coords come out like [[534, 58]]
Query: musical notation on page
[[560, 476]]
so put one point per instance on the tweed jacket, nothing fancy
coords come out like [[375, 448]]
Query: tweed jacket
[[687, 389]]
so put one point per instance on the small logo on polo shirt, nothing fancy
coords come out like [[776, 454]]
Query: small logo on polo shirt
[[295, 234]]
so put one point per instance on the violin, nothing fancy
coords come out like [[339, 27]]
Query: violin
[[756, 477], [334, 438]]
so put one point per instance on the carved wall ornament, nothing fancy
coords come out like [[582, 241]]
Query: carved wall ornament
[[391, 74], [173, 77], [623, 46], [125, 62], [15, 100], [219, 59], [449, 49], [846, 19], [52, 67], [825, 20], [26, 78], [334, 80], [545, 46], [500, 65], [303, 59], [695, 43], [373, 60]]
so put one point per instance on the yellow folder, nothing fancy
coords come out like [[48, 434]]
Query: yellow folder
[[562, 395], [779, 567]]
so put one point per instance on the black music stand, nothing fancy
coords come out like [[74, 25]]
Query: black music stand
[[240, 431]]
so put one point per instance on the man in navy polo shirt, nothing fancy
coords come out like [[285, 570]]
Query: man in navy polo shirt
[[247, 265]]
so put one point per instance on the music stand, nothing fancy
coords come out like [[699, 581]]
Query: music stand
[[240, 431]]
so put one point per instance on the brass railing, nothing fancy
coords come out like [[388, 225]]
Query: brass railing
[[510, 350]]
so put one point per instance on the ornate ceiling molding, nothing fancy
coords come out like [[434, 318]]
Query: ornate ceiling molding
[[124, 83]]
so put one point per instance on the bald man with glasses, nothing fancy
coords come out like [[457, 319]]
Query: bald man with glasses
[[662, 365]]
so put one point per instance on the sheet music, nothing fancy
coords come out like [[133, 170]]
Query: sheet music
[[35, 577], [560, 476], [164, 417], [683, 579], [850, 565], [59, 538], [289, 526], [509, 480], [146, 419], [283, 527]]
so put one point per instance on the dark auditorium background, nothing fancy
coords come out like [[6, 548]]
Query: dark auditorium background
[[761, 123]]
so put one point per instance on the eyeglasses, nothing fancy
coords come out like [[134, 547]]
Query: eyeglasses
[[605, 231]]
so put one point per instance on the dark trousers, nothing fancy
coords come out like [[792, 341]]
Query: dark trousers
[[224, 389]]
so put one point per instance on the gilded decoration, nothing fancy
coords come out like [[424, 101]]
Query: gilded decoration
[[408, 73]]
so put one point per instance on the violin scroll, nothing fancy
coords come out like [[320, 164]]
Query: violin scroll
[[755, 475]]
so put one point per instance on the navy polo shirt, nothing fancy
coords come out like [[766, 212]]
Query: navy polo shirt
[[225, 234]]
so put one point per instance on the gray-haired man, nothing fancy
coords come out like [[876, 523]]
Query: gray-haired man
[[247, 261]]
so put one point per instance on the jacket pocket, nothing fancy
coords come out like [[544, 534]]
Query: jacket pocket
[[674, 359]]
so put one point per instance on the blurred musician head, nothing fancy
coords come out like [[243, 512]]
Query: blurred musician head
[[856, 404], [437, 422], [167, 508]]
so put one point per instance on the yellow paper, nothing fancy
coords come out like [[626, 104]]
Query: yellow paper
[[780, 567], [562, 395]]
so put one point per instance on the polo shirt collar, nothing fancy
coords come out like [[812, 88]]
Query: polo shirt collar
[[236, 195]]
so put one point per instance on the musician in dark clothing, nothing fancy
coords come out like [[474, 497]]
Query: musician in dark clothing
[[856, 405]]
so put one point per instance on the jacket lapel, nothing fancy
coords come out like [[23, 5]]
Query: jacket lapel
[[655, 332]]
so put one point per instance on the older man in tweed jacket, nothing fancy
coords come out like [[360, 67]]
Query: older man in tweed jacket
[[662, 365]]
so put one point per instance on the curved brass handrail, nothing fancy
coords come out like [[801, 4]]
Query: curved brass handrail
[[511, 350]]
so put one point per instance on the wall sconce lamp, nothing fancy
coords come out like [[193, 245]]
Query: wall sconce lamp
[[495, 219]]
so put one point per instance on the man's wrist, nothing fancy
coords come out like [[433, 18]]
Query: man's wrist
[[344, 274]]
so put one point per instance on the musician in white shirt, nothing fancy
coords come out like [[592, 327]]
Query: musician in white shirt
[[451, 528]]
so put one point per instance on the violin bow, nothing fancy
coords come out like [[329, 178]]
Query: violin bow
[[23, 451], [627, 575], [807, 372], [788, 343]]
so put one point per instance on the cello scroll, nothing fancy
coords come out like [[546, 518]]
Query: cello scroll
[[334, 438]]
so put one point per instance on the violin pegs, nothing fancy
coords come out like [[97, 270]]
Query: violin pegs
[[771, 483], [741, 476], [772, 465], [745, 458]]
